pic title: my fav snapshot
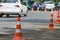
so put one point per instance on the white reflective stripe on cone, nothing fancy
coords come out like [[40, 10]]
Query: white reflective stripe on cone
[[18, 30], [51, 17], [18, 23]]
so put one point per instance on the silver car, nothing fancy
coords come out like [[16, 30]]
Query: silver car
[[10, 7]]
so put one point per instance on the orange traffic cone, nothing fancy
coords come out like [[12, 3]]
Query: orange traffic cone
[[32, 9], [38, 9], [18, 34], [58, 21], [45, 10], [58, 18], [54, 14], [51, 25]]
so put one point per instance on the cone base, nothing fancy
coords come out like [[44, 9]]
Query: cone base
[[51, 27], [18, 36]]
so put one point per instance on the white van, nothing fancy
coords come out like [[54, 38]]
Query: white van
[[10, 7], [49, 4]]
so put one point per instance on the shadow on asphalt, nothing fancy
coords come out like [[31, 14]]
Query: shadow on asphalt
[[31, 34], [13, 16]]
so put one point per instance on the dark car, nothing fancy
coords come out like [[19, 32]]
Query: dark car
[[37, 5], [57, 6], [28, 3]]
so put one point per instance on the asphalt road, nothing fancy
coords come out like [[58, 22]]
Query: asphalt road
[[34, 27]]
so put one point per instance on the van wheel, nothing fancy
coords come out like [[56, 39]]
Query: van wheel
[[1, 15], [25, 15], [7, 15], [19, 15]]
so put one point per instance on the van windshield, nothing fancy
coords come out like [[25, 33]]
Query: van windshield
[[8, 1], [49, 2]]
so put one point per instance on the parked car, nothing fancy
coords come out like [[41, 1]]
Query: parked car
[[57, 7], [28, 3], [38, 4], [49, 4], [35, 5], [10, 7], [58, 4]]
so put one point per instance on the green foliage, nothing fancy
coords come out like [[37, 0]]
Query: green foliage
[[36, 0], [46, 0]]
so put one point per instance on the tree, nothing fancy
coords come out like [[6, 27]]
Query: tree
[[36, 0]]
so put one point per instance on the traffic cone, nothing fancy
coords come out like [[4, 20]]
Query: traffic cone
[[32, 9], [18, 34], [58, 18], [51, 25], [54, 13], [38, 9], [45, 10], [58, 21]]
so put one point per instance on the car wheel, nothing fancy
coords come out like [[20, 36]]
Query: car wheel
[[24, 14], [7, 15], [19, 15], [1, 15], [21, 11]]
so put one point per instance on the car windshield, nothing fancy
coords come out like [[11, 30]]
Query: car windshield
[[8, 1], [49, 2], [59, 3]]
